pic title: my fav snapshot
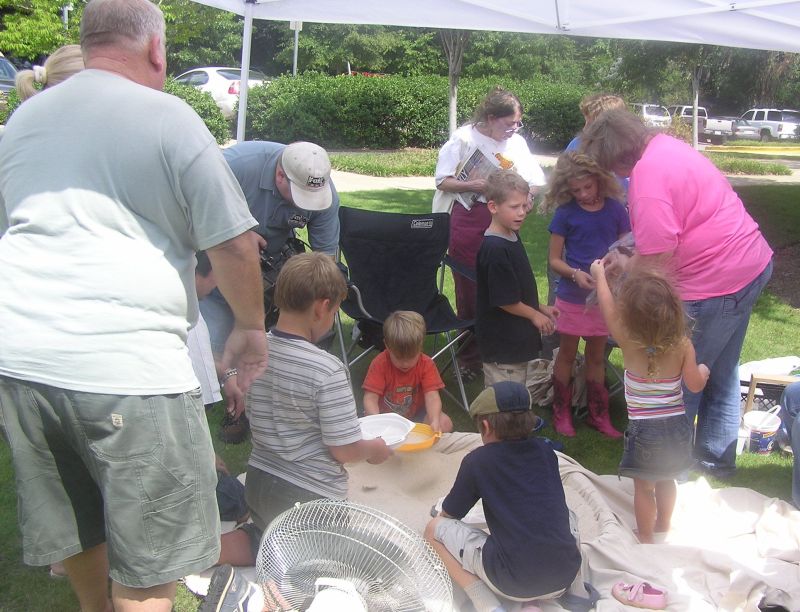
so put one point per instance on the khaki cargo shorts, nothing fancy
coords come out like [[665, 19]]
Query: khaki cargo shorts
[[136, 472]]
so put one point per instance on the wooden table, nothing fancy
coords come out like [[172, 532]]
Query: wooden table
[[766, 379]]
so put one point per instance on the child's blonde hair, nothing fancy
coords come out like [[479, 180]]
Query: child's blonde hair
[[308, 277], [592, 105], [651, 311], [404, 333], [571, 166], [62, 64], [500, 184]]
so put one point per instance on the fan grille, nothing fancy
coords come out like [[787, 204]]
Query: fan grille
[[392, 568]]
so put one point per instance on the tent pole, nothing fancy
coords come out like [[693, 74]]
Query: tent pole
[[247, 38]]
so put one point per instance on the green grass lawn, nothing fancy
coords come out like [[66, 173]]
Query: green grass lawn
[[422, 162], [742, 163], [406, 162], [772, 332]]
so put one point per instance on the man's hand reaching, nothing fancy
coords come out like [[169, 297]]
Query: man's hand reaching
[[246, 350]]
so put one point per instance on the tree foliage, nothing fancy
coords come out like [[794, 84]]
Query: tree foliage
[[641, 71], [198, 35], [33, 28]]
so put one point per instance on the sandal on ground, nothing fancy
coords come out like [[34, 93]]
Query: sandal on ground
[[640, 595]]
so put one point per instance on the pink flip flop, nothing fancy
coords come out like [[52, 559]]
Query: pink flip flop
[[640, 595]]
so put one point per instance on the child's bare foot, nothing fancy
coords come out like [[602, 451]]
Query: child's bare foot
[[643, 537]]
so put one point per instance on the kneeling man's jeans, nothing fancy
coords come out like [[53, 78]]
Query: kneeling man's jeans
[[719, 326], [790, 415]]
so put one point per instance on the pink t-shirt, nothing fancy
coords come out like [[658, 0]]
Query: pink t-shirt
[[680, 202]]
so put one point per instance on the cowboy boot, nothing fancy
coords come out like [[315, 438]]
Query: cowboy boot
[[562, 409], [597, 397]]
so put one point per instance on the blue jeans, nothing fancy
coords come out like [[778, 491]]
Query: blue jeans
[[719, 327], [790, 415], [219, 319]]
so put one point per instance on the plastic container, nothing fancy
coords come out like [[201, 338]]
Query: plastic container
[[763, 427], [390, 426], [420, 438]]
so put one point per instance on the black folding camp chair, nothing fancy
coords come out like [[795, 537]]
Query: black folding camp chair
[[393, 260]]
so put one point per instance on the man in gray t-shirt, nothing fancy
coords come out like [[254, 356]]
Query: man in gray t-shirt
[[102, 213]]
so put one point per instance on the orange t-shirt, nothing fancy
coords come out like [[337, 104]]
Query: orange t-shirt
[[402, 392]]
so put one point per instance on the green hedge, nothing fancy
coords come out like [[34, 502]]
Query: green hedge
[[202, 103], [9, 102], [392, 112]]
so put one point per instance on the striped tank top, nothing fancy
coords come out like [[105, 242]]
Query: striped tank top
[[656, 398]]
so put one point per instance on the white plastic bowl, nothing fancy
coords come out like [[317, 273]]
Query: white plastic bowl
[[391, 427]]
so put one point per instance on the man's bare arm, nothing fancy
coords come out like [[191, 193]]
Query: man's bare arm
[[236, 267]]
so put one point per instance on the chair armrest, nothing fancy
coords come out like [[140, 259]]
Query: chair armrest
[[459, 268]]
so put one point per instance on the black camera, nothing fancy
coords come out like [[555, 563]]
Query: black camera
[[271, 264]]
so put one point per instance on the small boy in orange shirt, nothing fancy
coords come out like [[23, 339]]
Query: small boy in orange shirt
[[402, 379]]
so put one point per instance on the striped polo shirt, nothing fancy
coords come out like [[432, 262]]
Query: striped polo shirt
[[300, 406]]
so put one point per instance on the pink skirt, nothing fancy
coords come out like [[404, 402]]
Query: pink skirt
[[580, 319]]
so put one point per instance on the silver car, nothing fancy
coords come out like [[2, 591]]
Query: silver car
[[653, 114], [7, 74], [222, 83], [742, 130]]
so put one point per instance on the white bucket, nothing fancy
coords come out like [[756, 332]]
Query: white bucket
[[762, 427], [742, 440]]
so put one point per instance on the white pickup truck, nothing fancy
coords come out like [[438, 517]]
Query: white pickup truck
[[719, 130]]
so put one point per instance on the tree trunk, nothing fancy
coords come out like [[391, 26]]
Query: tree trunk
[[454, 42]]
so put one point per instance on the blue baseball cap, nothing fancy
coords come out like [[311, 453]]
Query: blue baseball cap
[[505, 396]]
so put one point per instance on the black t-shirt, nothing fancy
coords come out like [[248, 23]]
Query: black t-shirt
[[531, 550], [504, 277]]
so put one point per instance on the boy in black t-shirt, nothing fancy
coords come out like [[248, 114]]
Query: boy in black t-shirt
[[510, 320], [531, 552]]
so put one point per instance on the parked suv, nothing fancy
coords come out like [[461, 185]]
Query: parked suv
[[685, 112], [653, 114], [774, 123]]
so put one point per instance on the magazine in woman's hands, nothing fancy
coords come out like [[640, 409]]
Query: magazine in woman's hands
[[476, 166]]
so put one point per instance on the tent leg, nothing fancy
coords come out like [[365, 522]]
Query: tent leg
[[247, 38]]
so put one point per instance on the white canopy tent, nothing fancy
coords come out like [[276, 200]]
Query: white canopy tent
[[757, 24]]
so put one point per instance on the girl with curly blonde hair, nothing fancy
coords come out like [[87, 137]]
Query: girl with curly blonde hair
[[648, 323], [587, 220]]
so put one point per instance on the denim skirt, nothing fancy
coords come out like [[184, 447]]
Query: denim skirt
[[657, 449]]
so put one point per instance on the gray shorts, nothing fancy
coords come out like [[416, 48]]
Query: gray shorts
[[268, 495], [466, 543], [136, 472]]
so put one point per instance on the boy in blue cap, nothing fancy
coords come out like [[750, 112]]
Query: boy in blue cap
[[531, 552]]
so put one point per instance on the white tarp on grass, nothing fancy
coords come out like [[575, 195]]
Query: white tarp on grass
[[728, 548]]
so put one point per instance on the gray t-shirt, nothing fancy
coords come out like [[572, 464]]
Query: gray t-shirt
[[107, 189], [298, 407]]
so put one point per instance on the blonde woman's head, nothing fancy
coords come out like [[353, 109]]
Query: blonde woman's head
[[61, 65]]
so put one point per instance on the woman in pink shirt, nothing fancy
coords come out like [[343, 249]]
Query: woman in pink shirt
[[685, 213]]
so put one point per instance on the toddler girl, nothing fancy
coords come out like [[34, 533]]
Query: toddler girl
[[647, 321], [587, 221]]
